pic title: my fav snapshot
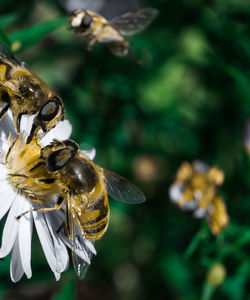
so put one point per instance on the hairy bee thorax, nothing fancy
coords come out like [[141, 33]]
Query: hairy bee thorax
[[27, 172]]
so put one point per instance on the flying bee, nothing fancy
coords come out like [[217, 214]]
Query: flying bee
[[23, 92], [83, 189], [112, 33]]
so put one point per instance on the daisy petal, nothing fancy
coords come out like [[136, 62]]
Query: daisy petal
[[7, 126], [61, 252], [16, 269], [89, 153], [62, 131], [25, 235], [11, 226], [3, 172], [26, 124], [7, 195], [45, 240]]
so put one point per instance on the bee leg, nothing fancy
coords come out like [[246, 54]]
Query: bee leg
[[9, 150], [4, 111], [17, 121], [91, 43], [33, 131], [57, 206]]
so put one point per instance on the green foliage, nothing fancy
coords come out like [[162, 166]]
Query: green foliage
[[187, 99]]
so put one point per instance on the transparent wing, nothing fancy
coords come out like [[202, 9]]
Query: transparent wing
[[6, 53], [121, 189], [133, 22], [81, 248]]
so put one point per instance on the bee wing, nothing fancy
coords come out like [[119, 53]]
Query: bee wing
[[6, 53], [121, 189], [81, 248], [133, 22]]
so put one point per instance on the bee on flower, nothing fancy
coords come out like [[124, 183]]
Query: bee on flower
[[25, 186], [194, 190]]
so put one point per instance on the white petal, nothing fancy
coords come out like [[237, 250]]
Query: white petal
[[3, 172], [61, 252], [26, 124], [189, 205], [25, 235], [6, 125], [16, 269], [7, 195], [200, 213], [11, 226], [89, 153], [45, 240], [175, 192], [62, 131], [200, 166], [4, 142]]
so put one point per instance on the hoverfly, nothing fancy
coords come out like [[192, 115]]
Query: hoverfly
[[112, 33], [23, 92], [82, 188]]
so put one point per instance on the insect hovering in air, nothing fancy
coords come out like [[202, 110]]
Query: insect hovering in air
[[112, 33], [82, 188], [23, 92]]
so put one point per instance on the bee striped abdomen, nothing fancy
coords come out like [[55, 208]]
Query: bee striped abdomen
[[95, 220]]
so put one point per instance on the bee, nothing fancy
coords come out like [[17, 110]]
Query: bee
[[112, 33], [83, 189], [23, 92]]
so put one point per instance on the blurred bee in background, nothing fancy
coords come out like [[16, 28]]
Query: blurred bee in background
[[194, 189], [23, 92], [83, 190], [96, 28]]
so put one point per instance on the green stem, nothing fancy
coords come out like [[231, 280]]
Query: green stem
[[207, 292]]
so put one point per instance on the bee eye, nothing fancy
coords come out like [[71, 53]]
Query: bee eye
[[58, 159], [71, 145], [86, 21], [49, 110]]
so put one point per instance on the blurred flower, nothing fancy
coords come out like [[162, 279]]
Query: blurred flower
[[146, 168], [17, 197], [216, 275], [194, 189]]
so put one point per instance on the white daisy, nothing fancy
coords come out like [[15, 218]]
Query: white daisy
[[14, 197]]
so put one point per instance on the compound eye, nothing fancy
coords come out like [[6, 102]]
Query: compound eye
[[86, 21], [49, 110], [58, 159], [71, 145]]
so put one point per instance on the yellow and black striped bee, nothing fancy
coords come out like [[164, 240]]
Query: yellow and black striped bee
[[98, 29], [23, 92], [82, 190]]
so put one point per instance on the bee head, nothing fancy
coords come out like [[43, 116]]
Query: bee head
[[79, 175], [55, 160], [32, 91], [48, 116], [80, 20]]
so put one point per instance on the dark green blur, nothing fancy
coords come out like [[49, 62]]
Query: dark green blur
[[187, 99]]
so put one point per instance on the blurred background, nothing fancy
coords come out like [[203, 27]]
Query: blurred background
[[187, 99]]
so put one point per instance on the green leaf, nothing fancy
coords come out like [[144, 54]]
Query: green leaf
[[8, 20], [4, 39], [67, 292], [28, 37]]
